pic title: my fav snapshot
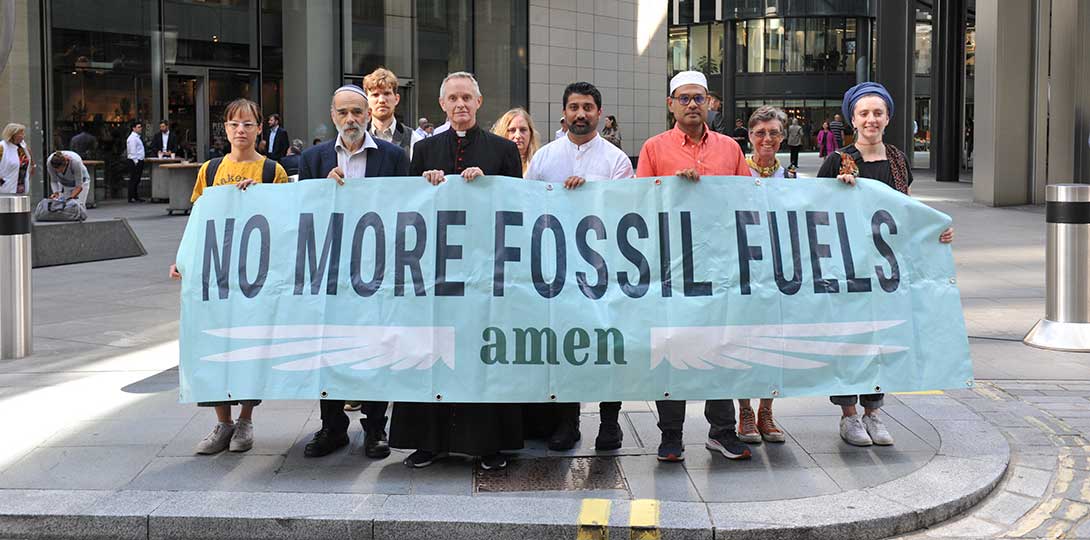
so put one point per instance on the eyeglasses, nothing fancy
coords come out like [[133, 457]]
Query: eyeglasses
[[685, 99], [244, 125], [768, 134]]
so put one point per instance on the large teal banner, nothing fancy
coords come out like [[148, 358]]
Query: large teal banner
[[508, 290]]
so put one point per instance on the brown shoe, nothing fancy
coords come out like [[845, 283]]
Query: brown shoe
[[747, 427], [770, 432]]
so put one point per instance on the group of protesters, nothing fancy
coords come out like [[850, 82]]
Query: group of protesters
[[369, 145]]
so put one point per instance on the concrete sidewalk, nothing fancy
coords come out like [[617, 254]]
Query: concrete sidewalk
[[102, 447]]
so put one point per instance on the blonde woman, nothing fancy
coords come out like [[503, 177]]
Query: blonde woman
[[517, 126], [16, 164]]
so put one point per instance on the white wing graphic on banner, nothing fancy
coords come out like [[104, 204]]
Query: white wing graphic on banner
[[739, 347], [366, 347]]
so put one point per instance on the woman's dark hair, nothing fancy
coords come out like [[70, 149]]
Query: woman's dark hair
[[612, 121]]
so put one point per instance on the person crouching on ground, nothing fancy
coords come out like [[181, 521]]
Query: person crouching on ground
[[244, 166]]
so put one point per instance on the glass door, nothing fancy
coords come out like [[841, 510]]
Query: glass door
[[223, 88], [187, 110]]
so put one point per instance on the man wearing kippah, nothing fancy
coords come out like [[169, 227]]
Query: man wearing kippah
[[352, 154], [691, 150]]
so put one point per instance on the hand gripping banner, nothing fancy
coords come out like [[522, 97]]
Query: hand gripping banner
[[508, 290]]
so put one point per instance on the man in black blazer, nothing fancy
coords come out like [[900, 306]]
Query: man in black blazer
[[353, 154], [165, 143], [276, 139]]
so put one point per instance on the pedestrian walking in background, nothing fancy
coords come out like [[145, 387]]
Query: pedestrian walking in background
[[870, 107], [741, 135], [794, 141], [691, 150], [837, 127], [612, 132], [517, 126], [276, 139], [242, 167], [16, 163], [826, 140]]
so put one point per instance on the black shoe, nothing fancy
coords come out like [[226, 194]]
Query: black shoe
[[671, 448], [422, 458], [375, 444], [565, 436], [325, 442], [609, 436], [729, 445], [494, 462]]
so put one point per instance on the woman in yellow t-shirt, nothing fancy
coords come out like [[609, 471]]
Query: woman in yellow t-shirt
[[242, 167]]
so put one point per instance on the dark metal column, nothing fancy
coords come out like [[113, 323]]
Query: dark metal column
[[948, 89], [896, 38], [730, 70]]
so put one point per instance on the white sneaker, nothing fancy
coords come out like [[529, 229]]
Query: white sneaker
[[853, 432], [243, 439], [877, 430], [216, 441]]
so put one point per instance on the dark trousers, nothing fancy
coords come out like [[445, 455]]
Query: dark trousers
[[719, 412], [334, 418], [609, 411], [135, 170], [795, 155]]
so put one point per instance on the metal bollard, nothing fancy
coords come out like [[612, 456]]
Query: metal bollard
[[1066, 326], [16, 336]]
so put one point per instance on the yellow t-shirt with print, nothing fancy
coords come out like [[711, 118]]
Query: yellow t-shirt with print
[[232, 172]]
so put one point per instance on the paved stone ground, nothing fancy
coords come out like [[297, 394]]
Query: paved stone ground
[[102, 388]]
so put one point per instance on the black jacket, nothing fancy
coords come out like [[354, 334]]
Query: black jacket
[[491, 153], [403, 136], [156, 145], [280, 145], [386, 160]]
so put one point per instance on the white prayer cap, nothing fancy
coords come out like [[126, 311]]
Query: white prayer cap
[[351, 88], [688, 77]]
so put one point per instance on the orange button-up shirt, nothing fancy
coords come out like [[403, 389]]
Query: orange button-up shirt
[[672, 151]]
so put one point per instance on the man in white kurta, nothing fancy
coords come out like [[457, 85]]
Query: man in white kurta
[[578, 157]]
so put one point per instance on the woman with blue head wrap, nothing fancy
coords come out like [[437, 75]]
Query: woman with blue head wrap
[[869, 108]]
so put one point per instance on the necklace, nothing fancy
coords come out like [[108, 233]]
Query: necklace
[[765, 172]]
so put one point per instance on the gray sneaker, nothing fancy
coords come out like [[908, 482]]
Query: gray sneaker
[[216, 441], [243, 439], [877, 430], [853, 432]]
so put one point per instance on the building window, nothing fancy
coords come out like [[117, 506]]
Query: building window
[[774, 45], [382, 36], [500, 57], [699, 59], [210, 32], [679, 49], [272, 57], [444, 44], [922, 50]]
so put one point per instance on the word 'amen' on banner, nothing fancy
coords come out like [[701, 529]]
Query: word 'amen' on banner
[[507, 290]]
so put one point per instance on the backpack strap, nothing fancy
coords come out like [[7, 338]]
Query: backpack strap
[[210, 171], [268, 171]]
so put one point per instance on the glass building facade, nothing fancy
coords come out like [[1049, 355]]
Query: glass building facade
[[184, 60], [796, 55]]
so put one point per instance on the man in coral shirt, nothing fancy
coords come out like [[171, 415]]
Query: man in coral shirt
[[690, 150]]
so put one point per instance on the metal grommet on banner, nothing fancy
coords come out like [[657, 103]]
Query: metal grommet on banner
[[548, 187], [438, 397], [775, 393], [877, 389], [666, 394], [658, 181], [552, 397], [953, 280], [228, 395], [969, 383], [757, 182], [324, 394]]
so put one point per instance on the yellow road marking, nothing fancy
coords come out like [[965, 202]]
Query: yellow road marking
[[1036, 518], [1064, 476], [1056, 532], [921, 393], [1076, 511], [990, 394], [644, 520], [1084, 492], [594, 520], [1040, 425]]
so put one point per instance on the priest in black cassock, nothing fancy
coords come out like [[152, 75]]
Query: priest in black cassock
[[476, 429]]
